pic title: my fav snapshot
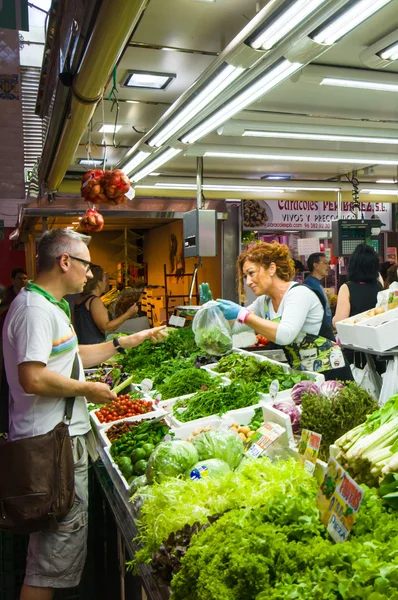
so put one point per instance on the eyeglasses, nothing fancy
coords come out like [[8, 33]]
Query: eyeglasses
[[89, 265]]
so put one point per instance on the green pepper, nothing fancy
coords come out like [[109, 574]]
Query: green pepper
[[125, 466]]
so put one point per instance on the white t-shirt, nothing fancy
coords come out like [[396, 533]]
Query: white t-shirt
[[300, 310], [36, 330]]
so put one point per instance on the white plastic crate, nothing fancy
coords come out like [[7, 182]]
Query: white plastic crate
[[100, 426], [186, 430], [347, 330], [379, 333], [146, 417], [317, 377]]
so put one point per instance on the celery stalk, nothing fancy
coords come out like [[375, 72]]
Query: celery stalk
[[123, 385]]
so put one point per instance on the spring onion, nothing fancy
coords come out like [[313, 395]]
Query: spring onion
[[124, 384]]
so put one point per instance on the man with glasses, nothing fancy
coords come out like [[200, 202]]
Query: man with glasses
[[318, 266], [39, 349]]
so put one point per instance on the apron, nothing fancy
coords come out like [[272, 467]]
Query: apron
[[317, 353]]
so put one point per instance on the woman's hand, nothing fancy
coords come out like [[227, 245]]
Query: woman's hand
[[229, 309], [156, 334], [131, 312]]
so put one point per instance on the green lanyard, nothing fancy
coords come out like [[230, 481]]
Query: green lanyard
[[62, 304]]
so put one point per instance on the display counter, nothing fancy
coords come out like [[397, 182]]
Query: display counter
[[125, 519]]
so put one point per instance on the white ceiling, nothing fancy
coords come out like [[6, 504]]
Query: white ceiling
[[203, 27]]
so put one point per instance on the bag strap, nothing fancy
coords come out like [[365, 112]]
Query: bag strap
[[69, 402]]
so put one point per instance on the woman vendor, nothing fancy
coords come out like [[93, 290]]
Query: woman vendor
[[289, 314]]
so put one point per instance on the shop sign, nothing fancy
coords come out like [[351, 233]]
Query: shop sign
[[261, 215], [308, 449], [338, 501]]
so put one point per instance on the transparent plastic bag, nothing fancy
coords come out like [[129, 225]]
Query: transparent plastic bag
[[212, 331]]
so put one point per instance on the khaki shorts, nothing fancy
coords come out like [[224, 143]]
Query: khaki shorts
[[56, 559]]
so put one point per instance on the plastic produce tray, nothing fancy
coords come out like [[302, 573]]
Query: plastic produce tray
[[379, 333], [101, 426], [114, 465], [159, 412]]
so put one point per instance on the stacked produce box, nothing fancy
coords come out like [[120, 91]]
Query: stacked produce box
[[208, 451]]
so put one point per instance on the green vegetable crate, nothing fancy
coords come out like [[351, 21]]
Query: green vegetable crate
[[159, 412], [317, 377]]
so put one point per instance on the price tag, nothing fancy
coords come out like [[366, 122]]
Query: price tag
[[130, 193], [338, 501], [308, 449], [274, 389], [146, 385], [177, 321], [263, 438]]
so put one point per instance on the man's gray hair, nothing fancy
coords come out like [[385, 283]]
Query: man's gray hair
[[54, 243]]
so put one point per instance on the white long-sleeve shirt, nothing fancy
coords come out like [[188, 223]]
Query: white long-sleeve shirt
[[300, 310]]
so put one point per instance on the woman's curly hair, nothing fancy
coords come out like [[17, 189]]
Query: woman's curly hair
[[264, 254]]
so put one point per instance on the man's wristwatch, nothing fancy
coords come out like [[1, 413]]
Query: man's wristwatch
[[118, 346]]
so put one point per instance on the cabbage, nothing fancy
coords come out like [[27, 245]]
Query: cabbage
[[289, 408], [303, 387], [225, 445], [331, 388], [170, 459], [213, 467]]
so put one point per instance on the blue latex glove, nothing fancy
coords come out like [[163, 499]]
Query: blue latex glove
[[205, 293], [229, 309]]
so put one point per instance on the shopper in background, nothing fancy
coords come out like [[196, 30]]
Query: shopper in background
[[298, 269], [383, 269], [39, 350], [290, 314], [19, 279], [359, 294], [318, 266], [91, 318], [391, 276]]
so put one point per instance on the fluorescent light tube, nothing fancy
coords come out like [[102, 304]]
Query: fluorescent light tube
[[155, 163], [390, 53], [136, 160], [252, 93], [319, 136], [323, 159], [95, 162], [235, 188], [379, 192], [386, 181], [228, 74], [287, 21], [109, 128], [357, 83], [348, 20]]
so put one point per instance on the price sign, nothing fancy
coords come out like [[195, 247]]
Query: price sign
[[263, 438], [308, 449], [176, 321], [338, 501]]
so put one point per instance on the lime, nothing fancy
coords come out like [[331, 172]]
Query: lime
[[137, 454], [148, 449], [140, 467]]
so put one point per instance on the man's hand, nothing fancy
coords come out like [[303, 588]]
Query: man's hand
[[99, 393], [156, 334]]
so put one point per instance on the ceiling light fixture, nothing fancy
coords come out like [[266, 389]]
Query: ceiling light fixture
[[109, 128], [301, 158], [347, 20], [132, 101], [154, 174], [276, 177], [155, 163], [136, 160], [149, 80], [357, 83], [215, 86], [390, 53], [90, 162], [319, 136], [386, 181], [253, 92], [374, 192], [284, 24]]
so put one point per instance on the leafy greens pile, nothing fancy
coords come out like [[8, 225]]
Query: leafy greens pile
[[216, 401], [335, 415], [146, 359], [239, 367], [281, 551], [187, 381]]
